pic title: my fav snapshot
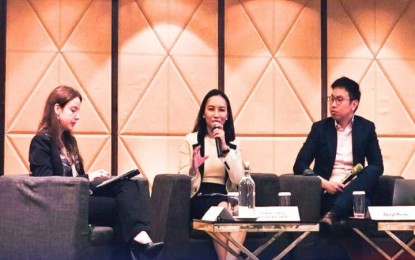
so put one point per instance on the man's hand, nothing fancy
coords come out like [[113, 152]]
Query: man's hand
[[332, 187]]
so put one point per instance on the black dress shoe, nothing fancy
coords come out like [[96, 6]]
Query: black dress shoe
[[326, 223], [149, 250]]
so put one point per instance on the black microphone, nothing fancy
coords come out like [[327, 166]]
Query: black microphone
[[308, 172], [218, 142]]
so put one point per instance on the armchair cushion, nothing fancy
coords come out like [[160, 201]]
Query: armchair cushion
[[171, 222], [383, 193]]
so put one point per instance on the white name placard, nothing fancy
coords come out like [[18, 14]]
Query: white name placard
[[277, 214], [392, 213], [216, 211]]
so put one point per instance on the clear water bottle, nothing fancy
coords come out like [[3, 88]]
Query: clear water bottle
[[247, 194]]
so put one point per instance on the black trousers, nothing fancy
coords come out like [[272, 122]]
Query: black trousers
[[120, 206]]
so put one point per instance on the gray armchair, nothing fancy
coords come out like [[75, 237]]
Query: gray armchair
[[305, 193], [47, 218], [171, 222]]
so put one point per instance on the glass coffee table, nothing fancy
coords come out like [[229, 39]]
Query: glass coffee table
[[213, 228], [388, 227]]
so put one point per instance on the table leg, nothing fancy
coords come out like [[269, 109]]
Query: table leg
[[402, 244], [401, 251], [266, 244], [240, 246], [292, 245], [224, 245], [372, 244]]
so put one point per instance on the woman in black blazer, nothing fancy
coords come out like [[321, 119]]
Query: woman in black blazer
[[54, 152]]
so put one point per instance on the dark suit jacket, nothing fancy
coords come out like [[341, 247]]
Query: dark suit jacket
[[321, 146], [44, 157]]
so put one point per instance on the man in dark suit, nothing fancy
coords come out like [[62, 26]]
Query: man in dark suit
[[336, 144]]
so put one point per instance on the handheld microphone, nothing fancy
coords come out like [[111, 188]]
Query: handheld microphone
[[355, 171], [218, 143]]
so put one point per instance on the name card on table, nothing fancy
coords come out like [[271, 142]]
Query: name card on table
[[277, 214], [216, 212], [392, 213]]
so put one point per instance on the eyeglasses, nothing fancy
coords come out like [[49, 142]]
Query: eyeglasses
[[338, 100]]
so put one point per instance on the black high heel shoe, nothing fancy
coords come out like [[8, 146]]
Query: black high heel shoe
[[149, 250]]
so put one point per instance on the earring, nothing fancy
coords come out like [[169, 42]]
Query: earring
[[57, 117]]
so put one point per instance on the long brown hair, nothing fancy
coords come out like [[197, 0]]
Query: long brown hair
[[50, 124]]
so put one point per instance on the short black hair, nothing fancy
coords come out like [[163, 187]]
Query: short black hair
[[350, 85]]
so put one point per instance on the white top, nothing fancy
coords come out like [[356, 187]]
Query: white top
[[214, 167], [343, 164]]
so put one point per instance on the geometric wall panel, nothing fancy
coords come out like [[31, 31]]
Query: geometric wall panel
[[273, 19], [151, 154], [374, 19], [168, 18], [400, 75], [168, 62], [267, 107], [372, 42], [50, 43], [48, 15], [381, 104], [402, 165], [307, 87], [242, 75], [21, 88], [95, 151], [271, 154], [272, 77], [169, 96], [15, 154]]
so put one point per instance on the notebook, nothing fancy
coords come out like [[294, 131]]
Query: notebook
[[404, 193]]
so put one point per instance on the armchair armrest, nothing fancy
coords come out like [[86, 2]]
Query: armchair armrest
[[305, 193], [43, 217], [267, 188], [170, 214], [383, 193]]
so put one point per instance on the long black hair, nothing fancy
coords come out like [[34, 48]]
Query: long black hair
[[200, 124]]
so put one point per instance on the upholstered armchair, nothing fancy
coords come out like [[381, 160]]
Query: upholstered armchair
[[171, 222], [47, 218]]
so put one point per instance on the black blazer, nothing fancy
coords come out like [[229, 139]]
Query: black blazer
[[44, 157], [321, 146]]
